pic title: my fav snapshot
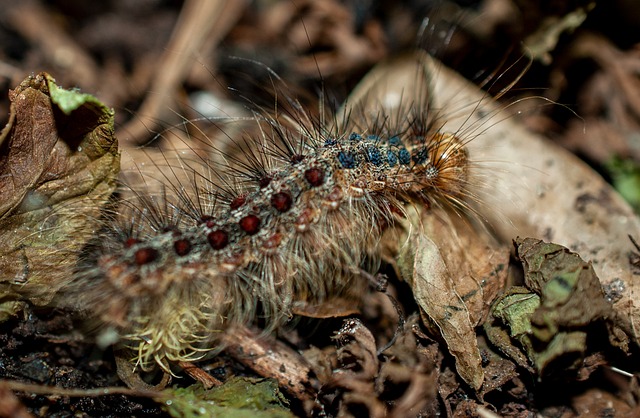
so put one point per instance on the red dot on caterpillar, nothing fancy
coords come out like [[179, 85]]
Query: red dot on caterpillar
[[130, 242], [250, 224], [281, 201], [314, 176], [264, 182], [237, 202], [218, 239], [182, 247], [145, 256], [273, 242]]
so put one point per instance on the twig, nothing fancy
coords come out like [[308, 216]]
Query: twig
[[200, 20]]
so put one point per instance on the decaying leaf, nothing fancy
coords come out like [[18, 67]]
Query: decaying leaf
[[551, 317], [571, 295], [435, 292], [513, 309], [455, 274], [58, 168], [540, 44]]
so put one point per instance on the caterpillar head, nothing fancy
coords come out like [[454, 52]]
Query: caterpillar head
[[443, 169]]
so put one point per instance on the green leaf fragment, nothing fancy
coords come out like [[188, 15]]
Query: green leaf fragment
[[515, 309], [237, 398], [625, 175], [562, 345], [72, 99]]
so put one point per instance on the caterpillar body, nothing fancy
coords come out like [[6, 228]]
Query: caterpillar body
[[296, 219]]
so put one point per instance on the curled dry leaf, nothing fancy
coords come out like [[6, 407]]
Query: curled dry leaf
[[455, 274], [58, 168], [357, 350], [333, 308], [513, 309]]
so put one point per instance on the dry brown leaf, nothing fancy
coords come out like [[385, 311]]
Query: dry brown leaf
[[447, 274], [596, 402], [333, 308], [58, 168], [434, 290]]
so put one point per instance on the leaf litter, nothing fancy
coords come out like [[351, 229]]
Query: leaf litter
[[541, 323]]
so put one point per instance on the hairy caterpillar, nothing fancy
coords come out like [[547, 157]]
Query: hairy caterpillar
[[292, 220]]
